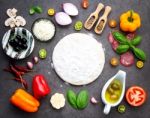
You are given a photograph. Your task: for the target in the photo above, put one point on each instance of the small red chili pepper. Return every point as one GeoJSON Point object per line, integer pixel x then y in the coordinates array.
{"type": "Point", "coordinates": [9, 70]}
{"type": "Point", "coordinates": [15, 72]}
{"type": "Point", "coordinates": [85, 4]}
{"type": "Point", "coordinates": [22, 69]}
{"type": "Point", "coordinates": [40, 86]}
{"type": "Point", "coordinates": [18, 75]}
{"type": "Point", "coordinates": [23, 81]}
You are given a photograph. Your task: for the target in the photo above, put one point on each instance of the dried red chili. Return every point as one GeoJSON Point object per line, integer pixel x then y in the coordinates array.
{"type": "Point", "coordinates": [18, 72]}
{"type": "Point", "coordinates": [22, 69]}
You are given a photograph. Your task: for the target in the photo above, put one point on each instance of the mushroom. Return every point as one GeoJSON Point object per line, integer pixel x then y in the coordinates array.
{"type": "Point", "coordinates": [11, 12]}
{"type": "Point", "coordinates": [20, 21]}
{"type": "Point", "coordinates": [10, 22]}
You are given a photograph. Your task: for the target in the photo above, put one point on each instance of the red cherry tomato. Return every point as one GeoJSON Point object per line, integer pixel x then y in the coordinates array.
{"type": "Point", "coordinates": [85, 4]}
{"type": "Point", "coordinates": [135, 96]}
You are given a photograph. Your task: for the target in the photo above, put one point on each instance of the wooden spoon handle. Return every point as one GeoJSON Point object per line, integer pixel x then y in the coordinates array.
{"type": "Point", "coordinates": [107, 11]}
{"type": "Point", "coordinates": [100, 6]}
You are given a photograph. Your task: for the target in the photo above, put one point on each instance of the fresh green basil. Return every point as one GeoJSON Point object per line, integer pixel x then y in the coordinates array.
{"type": "Point", "coordinates": [122, 49]}
{"type": "Point", "coordinates": [38, 9]}
{"type": "Point", "coordinates": [126, 45]}
{"type": "Point", "coordinates": [35, 9]}
{"type": "Point", "coordinates": [119, 37]}
{"type": "Point", "coordinates": [31, 11]}
{"type": "Point", "coordinates": [72, 98]}
{"type": "Point", "coordinates": [82, 99]}
{"type": "Point", "coordinates": [136, 41]}
{"type": "Point", "coordinates": [140, 54]}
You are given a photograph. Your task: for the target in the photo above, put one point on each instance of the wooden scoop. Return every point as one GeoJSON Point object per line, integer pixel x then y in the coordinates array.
{"type": "Point", "coordinates": [102, 21]}
{"type": "Point", "coordinates": [93, 17]}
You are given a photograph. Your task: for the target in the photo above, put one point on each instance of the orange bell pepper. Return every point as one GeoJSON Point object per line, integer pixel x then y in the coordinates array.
{"type": "Point", "coordinates": [130, 21]}
{"type": "Point", "coordinates": [24, 101]}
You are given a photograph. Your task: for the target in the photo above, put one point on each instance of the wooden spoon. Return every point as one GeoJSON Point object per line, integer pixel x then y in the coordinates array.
{"type": "Point", "coordinates": [102, 21]}
{"type": "Point", "coordinates": [93, 17]}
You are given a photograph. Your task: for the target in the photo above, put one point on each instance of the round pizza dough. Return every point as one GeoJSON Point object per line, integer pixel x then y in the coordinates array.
{"type": "Point", "coordinates": [78, 59]}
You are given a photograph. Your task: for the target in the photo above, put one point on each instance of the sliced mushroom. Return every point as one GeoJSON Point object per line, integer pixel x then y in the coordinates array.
{"type": "Point", "coordinates": [21, 20]}
{"type": "Point", "coordinates": [11, 12]}
{"type": "Point", "coordinates": [10, 22]}
{"type": "Point", "coordinates": [17, 23]}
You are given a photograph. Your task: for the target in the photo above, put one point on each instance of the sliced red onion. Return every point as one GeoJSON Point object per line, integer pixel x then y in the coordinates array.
{"type": "Point", "coordinates": [93, 100]}
{"type": "Point", "coordinates": [63, 18]}
{"type": "Point", "coordinates": [30, 65]}
{"type": "Point", "coordinates": [70, 9]}
{"type": "Point", "coordinates": [127, 59]}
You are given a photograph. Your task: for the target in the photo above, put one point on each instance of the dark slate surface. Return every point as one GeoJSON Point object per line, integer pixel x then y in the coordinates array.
{"type": "Point", "coordinates": [134, 76]}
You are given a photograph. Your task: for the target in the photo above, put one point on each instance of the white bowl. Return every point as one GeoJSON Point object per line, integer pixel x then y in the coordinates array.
{"type": "Point", "coordinates": [10, 51]}
{"type": "Point", "coordinates": [121, 75]}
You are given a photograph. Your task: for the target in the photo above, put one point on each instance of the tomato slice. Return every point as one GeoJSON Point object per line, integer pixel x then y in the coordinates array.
{"type": "Point", "coordinates": [135, 96]}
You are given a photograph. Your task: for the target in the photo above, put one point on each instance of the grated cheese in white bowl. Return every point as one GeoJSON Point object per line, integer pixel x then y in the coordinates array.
{"type": "Point", "coordinates": [43, 29]}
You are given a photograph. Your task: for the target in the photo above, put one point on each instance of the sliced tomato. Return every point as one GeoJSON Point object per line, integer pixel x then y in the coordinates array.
{"type": "Point", "coordinates": [135, 96]}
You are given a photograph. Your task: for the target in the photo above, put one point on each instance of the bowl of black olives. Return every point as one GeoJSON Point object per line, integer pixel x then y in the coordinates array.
{"type": "Point", "coordinates": [18, 43]}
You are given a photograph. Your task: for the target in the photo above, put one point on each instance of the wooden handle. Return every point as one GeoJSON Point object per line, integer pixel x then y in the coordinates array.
{"type": "Point", "coordinates": [100, 6]}
{"type": "Point", "coordinates": [107, 11]}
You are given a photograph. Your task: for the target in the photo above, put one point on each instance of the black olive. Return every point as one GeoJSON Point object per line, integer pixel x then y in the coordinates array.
{"type": "Point", "coordinates": [18, 37]}
{"type": "Point", "coordinates": [17, 49]}
{"type": "Point", "coordinates": [12, 32]}
{"type": "Point", "coordinates": [23, 40]}
{"type": "Point", "coordinates": [24, 46]}
{"type": "Point", "coordinates": [20, 43]}
{"type": "Point", "coordinates": [16, 40]}
{"type": "Point", "coordinates": [11, 42]}
{"type": "Point", "coordinates": [24, 31]}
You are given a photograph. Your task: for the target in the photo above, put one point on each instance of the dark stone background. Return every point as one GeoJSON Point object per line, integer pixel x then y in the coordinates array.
{"type": "Point", "coordinates": [134, 76]}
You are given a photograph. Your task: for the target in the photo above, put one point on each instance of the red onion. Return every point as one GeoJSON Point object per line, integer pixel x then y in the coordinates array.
{"type": "Point", "coordinates": [63, 18]}
{"type": "Point", "coordinates": [70, 9]}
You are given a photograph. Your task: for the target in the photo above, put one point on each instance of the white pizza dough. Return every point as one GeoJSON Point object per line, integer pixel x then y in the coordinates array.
{"type": "Point", "coordinates": [78, 59]}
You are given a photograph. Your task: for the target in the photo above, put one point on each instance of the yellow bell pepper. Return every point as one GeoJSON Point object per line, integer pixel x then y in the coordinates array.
{"type": "Point", "coordinates": [24, 101]}
{"type": "Point", "coordinates": [130, 21]}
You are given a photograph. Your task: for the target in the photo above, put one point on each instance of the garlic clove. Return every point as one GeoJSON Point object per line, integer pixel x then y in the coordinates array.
{"type": "Point", "coordinates": [93, 100]}
{"type": "Point", "coordinates": [30, 65]}
{"type": "Point", "coordinates": [21, 20]}
{"type": "Point", "coordinates": [57, 100]}
{"type": "Point", "coordinates": [35, 60]}
{"type": "Point", "coordinates": [11, 12]}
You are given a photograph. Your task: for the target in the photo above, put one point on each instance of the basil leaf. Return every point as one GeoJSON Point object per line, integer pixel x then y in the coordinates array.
{"type": "Point", "coordinates": [139, 53]}
{"type": "Point", "coordinates": [120, 37]}
{"type": "Point", "coordinates": [82, 99]}
{"type": "Point", "coordinates": [31, 11]}
{"type": "Point", "coordinates": [122, 49]}
{"type": "Point", "coordinates": [136, 41]}
{"type": "Point", "coordinates": [38, 9]}
{"type": "Point", "coordinates": [71, 97]}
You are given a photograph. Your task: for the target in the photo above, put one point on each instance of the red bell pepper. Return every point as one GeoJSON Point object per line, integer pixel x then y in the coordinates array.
{"type": "Point", "coordinates": [40, 86]}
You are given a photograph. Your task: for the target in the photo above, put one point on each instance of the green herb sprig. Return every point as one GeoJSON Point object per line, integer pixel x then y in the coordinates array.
{"type": "Point", "coordinates": [35, 9]}
{"type": "Point", "coordinates": [126, 45]}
